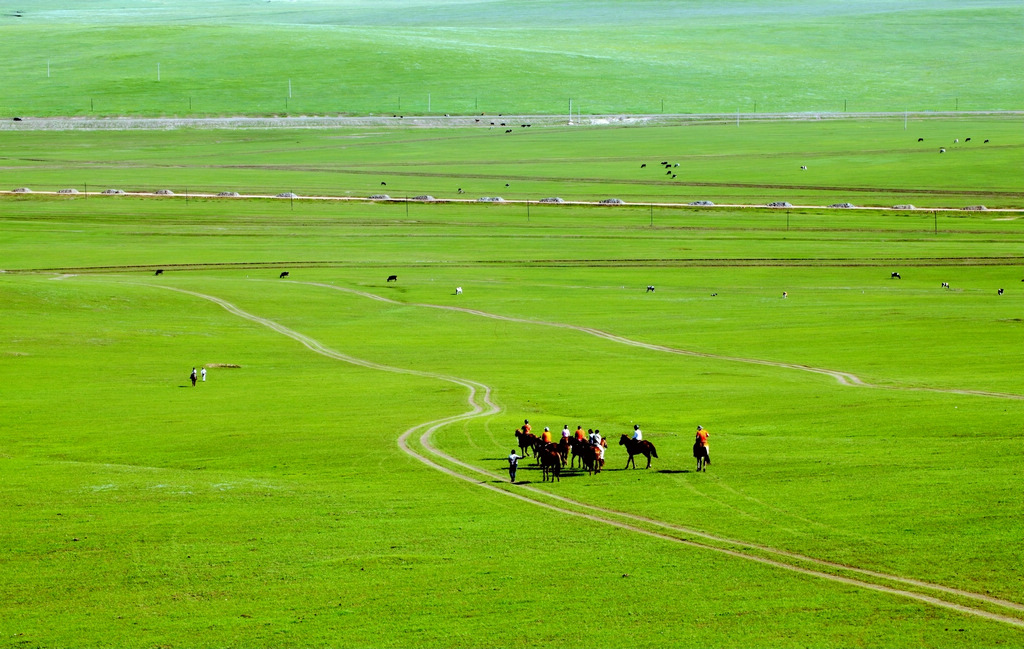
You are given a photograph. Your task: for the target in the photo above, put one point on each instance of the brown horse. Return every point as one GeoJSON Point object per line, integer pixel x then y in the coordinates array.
{"type": "Point", "coordinates": [550, 463]}
{"type": "Point", "coordinates": [638, 447]}
{"type": "Point", "coordinates": [701, 453]}
{"type": "Point", "coordinates": [526, 441]}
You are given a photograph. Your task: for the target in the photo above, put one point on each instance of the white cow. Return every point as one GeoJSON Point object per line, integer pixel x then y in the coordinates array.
{"type": "Point", "coordinates": [458, 290]}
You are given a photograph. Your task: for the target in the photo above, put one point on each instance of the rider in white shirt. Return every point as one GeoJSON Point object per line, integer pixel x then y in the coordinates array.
{"type": "Point", "coordinates": [637, 434]}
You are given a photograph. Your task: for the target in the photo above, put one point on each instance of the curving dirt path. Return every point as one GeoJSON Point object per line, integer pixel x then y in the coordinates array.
{"type": "Point", "coordinates": [485, 407]}
{"type": "Point", "coordinates": [843, 378]}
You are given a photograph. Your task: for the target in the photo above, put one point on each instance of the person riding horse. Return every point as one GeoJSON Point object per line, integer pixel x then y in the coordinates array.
{"type": "Point", "coordinates": [700, 449]}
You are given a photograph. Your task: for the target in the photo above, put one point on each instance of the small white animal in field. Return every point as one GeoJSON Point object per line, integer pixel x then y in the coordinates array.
{"type": "Point", "coordinates": [458, 290]}
{"type": "Point", "coordinates": [785, 294]}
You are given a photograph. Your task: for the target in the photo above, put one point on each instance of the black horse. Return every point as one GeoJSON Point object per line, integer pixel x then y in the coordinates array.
{"type": "Point", "coordinates": [701, 453]}
{"type": "Point", "coordinates": [638, 447]}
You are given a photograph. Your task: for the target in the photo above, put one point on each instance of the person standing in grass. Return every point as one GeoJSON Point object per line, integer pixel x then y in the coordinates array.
{"type": "Point", "coordinates": [193, 377]}
{"type": "Point", "coordinates": [204, 374]}
{"type": "Point", "coordinates": [513, 464]}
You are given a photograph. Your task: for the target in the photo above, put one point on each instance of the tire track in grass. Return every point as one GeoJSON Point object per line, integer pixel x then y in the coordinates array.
{"type": "Point", "coordinates": [483, 406]}
{"type": "Point", "coordinates": [843, 378]}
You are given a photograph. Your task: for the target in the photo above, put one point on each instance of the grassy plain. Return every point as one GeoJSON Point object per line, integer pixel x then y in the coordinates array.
{"type": "Point", "coordinates": [510, 56]}
{"type": "Point", "coordinates": [271, 505]}
{"type": "Point", "coordinates": [863, 162]}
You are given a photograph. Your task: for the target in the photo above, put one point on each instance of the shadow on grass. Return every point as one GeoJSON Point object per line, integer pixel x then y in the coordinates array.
{"type": "Point", "coordinates": [674, 471]}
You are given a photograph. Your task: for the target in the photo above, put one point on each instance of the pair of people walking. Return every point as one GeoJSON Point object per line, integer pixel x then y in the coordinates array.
{"type": "Point", "coordinates": [194, 375]}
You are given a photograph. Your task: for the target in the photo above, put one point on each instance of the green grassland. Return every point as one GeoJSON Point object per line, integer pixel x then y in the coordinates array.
{"type": "Point", "coordinates": [335, 482]}
{"type": "Point", "coordinates": [272, 506]}
{"type": "Point", "coordinates": [864, 162]}
{"type": "Point", "coordinates": [509, 56]}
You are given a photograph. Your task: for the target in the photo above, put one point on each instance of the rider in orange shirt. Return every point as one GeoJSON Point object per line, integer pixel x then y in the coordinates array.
{"type": "Point", "coordinates": [526, 426]}
{"type": "Point", "coordinates": [580, 435]}
{"type": "Point", "coordinates": [546, 435]}
{"type": "Point", "coordinates": [702, 435]}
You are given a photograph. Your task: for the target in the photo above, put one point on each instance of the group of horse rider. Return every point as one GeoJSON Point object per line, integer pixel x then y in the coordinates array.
{"type": "Point", "coordinates": [593, 437]}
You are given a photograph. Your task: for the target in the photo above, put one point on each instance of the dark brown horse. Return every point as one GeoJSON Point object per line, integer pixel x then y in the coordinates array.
{"type": "Point", "coordinates": [526, 441]}
{"type": "Point", "coordinates": [638, 447]}
{"type": "Point", "coordinates": [550, 463]}
{"type": "Point", "coordinates": [701, 453]}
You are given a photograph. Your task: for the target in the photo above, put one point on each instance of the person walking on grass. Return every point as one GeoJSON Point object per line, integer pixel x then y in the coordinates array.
{"type": "Point", "coordinates": [513, 464]}
{"type": "Point", "coordinates": [193, 377]}
{"type": "Point", "coordinates": [203, 374]}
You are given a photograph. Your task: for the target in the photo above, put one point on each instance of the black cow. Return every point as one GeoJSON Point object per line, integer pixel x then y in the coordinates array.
{"type": "Point", "coordinates": [650, 289]}
{"type": "Point", "coordinates": [159, 271]}
{"type": "Point", "coordinates": [1000, 292]}
{"type": "Point", "coordinates": [644, 165]}
{"type": "Point", "coordinates": [392, 278]}
{"type": "Point", "coordinates": [895, 276]}
{"type": "Point", "coordinates": [384, 184]}
{"type": "Point", "coordinates": [284, 274]}
{"type": "Point", "coordinates": [920, 139]}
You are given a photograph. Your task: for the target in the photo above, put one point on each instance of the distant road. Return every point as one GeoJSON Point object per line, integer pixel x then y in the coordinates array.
{"type": "Point", "coordinates": [26, 123]}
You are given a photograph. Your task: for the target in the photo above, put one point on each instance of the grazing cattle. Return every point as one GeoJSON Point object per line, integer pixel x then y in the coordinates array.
{"type": "Point", "coordinates": [503, 123]}
{"type": "Point", "coordinates": [785, 295]}
{"type": "Point", "coordinates": [956, 141]}
{"type": "Point", "coordinates": [1000, 292]}
{"type": "Point", "coordinates": [159, 271]}
{"type": "Point", "coordinates": [284, 274]}
{"type": "Point", "coordinates": [383, 183]}
{"type": "Point", "coordinates": [945, 285]}
{"type": "Point", "coordinates": [673, 175]}
{"type": "Point", "coordinates": [650, 289]}
{"type": "Point", "coordinates": [668, 173]}
{"type": "Point", "coordinates": [460, 191]}
{"type": "Point", "coordinates": [392, 278]}
{"type": "Point", "coordinates": [942, 150]}
{"type": "Point", "coordinates": [643, 166]}
{"type": "Point", "coordinates": [967, 140]}
{"type": "Point", "coordinates": [920, 139]}
{"type": "Point", "coordinates": [506, 184]}
{"type": "Point", "coordinates": [803, 167]}
{"type": "Point", "coordinates": [18, 119]}
{"type": "Point", "coordinates": [508, 130]}
{"type": "Point", "coordinates": [676, 164]}
{"type": "Point", "coordinates": [638, 447]}
{"type": "Point", "coordinates": [714, 295]}
{"type": "Point", "coordinates": [895, 275]}
{"type": "Point", "coordinates": [986, 142]}
{"type": "Point", "coordinates": [458, 290]}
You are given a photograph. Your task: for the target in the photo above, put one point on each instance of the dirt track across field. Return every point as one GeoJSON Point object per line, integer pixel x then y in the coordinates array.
{"type": "Point", "coordinates": [126, 123]}
{"type": "Point", "coordinates": [484, 407]}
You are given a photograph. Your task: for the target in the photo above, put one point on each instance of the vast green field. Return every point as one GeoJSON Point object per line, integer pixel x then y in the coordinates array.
{"type": "Point", "coordinates": [153, 57]}
{"type": "Point", "coordinates": [344, 485]}
{"type": "Point", "coordinates": [863, 162]}
{"type": "Point", "coordinates": [339, 478]}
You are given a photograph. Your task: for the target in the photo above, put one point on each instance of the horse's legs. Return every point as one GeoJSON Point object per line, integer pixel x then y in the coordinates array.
{"type": "Point", "coordinates": [648, 462]}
